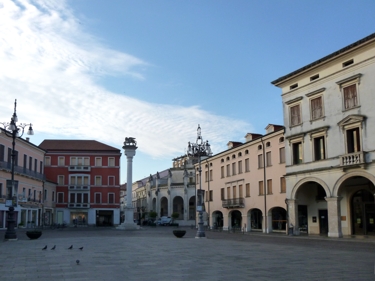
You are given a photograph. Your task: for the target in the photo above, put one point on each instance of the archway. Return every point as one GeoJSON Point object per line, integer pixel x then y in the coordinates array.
{"type": "Point", "coordinates": [256, 218]}
{"type": "Point", "coordinates": [192, 212]}
{"type": "Point", "coordinates": [178, 206]}
{"type": "Point", "coordinates": [278, 219]}
{"type": "Point", "coordinates": [235, 219]}
{"type": "Point", "coordinates": [217, 219]}
{"type": "Point", "coordinates": [163, 206]}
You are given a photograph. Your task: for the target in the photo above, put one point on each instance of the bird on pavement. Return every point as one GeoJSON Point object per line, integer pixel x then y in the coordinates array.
{"type": "Point", "coordinates": [77, 261]}
{"type": "Point", "coordinates": [53, 248]}
{"type": "Point", "coordinates": [81, 248]}
{"type": "Point", "coordinates": [71, 247]}
{"type": "Point", "coordinates": [45, 247]}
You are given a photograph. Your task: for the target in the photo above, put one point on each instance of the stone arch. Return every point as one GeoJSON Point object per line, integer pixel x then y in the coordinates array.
{"type": "Point", "coordinates": [309, 179]}
{"type": "Point", "coordinates": [346, 176]}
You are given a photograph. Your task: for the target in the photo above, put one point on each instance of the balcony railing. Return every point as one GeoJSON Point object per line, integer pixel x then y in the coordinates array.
{"type": "Point", "coordinates": [233, 203]}
{"type": "Point", "coordinates": [79, 187]}
{"type": "Point", "coordinates": [21, 170]}
{"type": "Point", "coordinates": [79, 205]}
{"type": "Point", "coordinates": [79, 168]}
{"type": "Point", "coordinates": [355, 158]}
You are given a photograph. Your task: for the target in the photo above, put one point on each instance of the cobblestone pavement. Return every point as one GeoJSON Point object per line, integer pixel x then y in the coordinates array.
{"type": "Point", "coordinates": [155, 254]}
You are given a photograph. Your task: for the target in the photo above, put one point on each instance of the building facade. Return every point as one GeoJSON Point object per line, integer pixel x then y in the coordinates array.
{"type": "Point", "coordinates": [329, 122]}
{"type": "Point", "coordinates": [87, 177]}
{"type": "Point", "coordinates": [28, 172]}
{"type": "Point", "coordinates": [245, 186]}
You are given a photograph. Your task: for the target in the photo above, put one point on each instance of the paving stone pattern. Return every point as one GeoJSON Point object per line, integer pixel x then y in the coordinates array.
{"type": "Point", "coordinates": [155, 254]}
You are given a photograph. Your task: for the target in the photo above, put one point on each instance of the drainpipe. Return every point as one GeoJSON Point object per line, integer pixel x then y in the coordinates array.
{"type": "Point", "coordinates": [264, 187]}
{"type": "Point", "coordinates": [208, 197]}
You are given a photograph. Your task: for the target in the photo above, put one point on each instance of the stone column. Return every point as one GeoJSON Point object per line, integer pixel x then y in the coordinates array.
{"type": "Point", "coordinates": [334, 216]}
{"type": "Point", "coordinates": [130, 146]}
{"type": "Point", "coordinates": [293, 216]}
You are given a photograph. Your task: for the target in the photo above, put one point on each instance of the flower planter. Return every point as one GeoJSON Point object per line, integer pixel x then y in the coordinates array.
{"type": "Point", "coordinates": [33, 234]}
{"type": "Point", "coordinates": [179, 233]}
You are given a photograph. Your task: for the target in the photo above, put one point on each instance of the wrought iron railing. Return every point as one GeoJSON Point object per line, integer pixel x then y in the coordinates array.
{"type": "Point", "coordinates": [21, 170]}
{"type": "Point", "coordinates": [233, 203]}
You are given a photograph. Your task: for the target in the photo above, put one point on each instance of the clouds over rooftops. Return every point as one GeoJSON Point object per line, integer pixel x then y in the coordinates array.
{"type": "Point", "coordinates": [51, 65]}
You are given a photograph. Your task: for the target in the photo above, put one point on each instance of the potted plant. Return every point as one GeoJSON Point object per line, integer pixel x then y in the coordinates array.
{"type": "Point", "coordinates": [34, 234]}
{"type": "Point", "coordinates": [179, 233]}
{"type": "Point", "coordinates": [175, 216]}
{"type": "Point", "coordinates": [20, 225]}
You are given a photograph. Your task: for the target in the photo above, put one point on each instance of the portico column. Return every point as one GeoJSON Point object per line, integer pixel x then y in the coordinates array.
{"type": "Point", "coordinates": [334, 216]}
{"type": "Point", "coordinates": [293, 215]}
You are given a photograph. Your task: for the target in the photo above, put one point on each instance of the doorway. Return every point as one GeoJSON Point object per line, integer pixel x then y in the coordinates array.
{"type": "Point", "coordinates": [363, 214]}
{"type": "Point", "coordinates": [323, 222]}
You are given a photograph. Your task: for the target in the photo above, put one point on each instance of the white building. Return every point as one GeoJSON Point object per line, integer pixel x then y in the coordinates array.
{"type": "Point", "coordinates": [329, 122]}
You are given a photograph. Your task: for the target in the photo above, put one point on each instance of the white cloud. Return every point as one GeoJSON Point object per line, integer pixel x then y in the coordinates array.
{"type": "Point", "coordinates": [50, 65]}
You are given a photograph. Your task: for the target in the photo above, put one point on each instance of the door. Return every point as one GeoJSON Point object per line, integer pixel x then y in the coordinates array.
{"type": "Point", "coordinates": [323, 222]}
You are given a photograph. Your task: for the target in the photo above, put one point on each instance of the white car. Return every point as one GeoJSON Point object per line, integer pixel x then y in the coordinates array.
{"type": "Point", "coordinates": [164, 221]}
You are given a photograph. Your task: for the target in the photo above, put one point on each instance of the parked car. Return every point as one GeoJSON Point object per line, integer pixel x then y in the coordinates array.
{"type": "Point", "coordinates": [164, 221]}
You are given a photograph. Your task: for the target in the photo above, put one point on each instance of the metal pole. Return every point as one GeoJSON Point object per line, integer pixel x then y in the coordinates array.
{"type": "Point", "coordinates": [265, 188]}
{"type": "Point", "coordinates": [200, 232]}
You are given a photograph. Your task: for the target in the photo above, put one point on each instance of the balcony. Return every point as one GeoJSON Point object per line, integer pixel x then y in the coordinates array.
{"type": "Point", "coordinates": [21, 170]}
{"type": "Point", "coordinates": [351, 159]}
{"type": "Point", "coordinates": [79, 187]}
{"type": "Point", "coordinates": [79, 168]}
{"type": "Point", "coordinates": [79, 205]}
{"type": "Point", "coordinates": [233, 203]}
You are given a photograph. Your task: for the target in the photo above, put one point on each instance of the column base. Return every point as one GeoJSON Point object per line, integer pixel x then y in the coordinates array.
{"type": "Point", "coordinates": [128, 226]}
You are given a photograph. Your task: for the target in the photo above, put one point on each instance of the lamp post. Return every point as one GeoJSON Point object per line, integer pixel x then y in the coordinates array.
{"type": "Point", "coordinates": [12, 130]}
{"type": "Point", "coordinates": [198, 149]}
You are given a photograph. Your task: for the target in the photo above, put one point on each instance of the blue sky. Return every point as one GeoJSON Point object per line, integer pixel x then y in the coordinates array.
{"type": "Point", "coordinates": [154, 70]}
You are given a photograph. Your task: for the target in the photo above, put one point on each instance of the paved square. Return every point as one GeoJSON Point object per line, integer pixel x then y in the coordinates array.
{"type": "Point", "coordinates": [155, 254]}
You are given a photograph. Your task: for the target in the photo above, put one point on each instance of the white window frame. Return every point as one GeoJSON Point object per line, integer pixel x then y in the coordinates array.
{"type": "Point", "coordinates": [98, 162]}
{"type": "Point", "coordinates": [47, 161]}
{"type": "Point", "coordinates": [352, 80]}
{"type": "Point", "coordinates": [110, 159]}
{"type": "Point", "coordinates": [61, 161]}
{"type": "Point", "coordinates": [292, 142]}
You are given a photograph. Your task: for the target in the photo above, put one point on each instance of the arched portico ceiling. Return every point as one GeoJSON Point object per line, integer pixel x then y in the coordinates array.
{"type": "Point", "coordinates": [306, 180]}
{"type": "Point", "coordinates": [250, 210]}
{"type": "Point", "coordinates": [349, 175]}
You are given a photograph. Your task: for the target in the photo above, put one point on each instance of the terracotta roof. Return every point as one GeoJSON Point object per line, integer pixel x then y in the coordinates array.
{"type": "Point", "coordinates": [76, 145]}
{"type": "Point", "coordinates": [324, 59]}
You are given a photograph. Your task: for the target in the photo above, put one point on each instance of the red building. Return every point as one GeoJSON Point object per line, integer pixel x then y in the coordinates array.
{"type": "Point", "coordinates": [87, 174]}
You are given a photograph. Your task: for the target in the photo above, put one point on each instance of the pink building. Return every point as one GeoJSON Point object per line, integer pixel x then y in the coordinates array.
{"type": "Point", "coordinates": [245, 185]}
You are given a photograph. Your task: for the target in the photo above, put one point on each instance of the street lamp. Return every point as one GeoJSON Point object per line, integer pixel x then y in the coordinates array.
{"type": "Point", "coordinates": [199, 149]}
{"type": "Point", "coordinates": [12, 130]}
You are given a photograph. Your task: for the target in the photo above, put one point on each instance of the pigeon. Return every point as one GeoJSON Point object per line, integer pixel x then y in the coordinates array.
{"type": "Point", "coordinates": [53, 248]}
{"type": "Point", "coordinates": [77, 261]}
{"type": "Point", "coordinates": [81, 248]}
{"type": "Point", "coordinates": [71, 247]}
{"type": "Point", "coordinates": [45, 248]}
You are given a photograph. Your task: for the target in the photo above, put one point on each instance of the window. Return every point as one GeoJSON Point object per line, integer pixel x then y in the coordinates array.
{"type": "Point", "coordinates": [211, 175]}
{"type": "Point", "coordinates": [85, 161]}
{"type": "Point", "coordinates": [211, 197]}
{"type": "Point", "coordinates": [261, 188]}
{"type": "Point", "coordinates": [228, 170]}
{"type": "Point", "coordinates": [316, 107]}
{"type": "Point", "coordinates": [347, 63]}
{"type": "Point", "coordinates": [240, 191]}
{"type": "Point", "coordinates": [349, 89]}
{"type": "Point", "coordinates": [53, 196]}
{"type": "Point", "coordinates": [30, 163]}
{"type": "Point", "coordinates": [79, 180]}
{"type": "Point", "coordinates": [268, 158]}
{"type": "Point", "coordinates": [41, 167]}
{"type": "Point", "coordinates": [240, 167]}
{"type": "Point", "coordinates": [222, 171]}
{"type": "Point", "coordinates": [319, 148]}
{"type": "Point", "coordinates": [222, 194]}
{"type": "Point", "coordinates": [1, 190]}
{"type": "Point", "coordinates": [60, 197]}
{"type": "Point", "coordinates": [60, 180]}
{"type": "Point", "coordinates": [248, 190]}
{"type": "Point", "coordinates": [85, 198]}
{"type": "Point", "coordinates": [260, 161]}
{"type": "Point", "coordinates": [111, 161]}
{"type": "Point", "coordinates": [282, 185]}
{"type": "Point", "coordinates": [268, 144]}
{"type": "Point", "coordinates": [233, 168]}
{"type": "Point", "coordinates": [35, 165]}
{"type": "Point", "coordinates": [295, 115]}
{"type": "Point", "coordinates": [2, 152]}
{"type": "Point", "coordinates": [228, 192]}
{"type": "Point", "coordinates": [47, 161]}
{"type": "Point", "coordinates": [61, 161]}
{"type": "Point", "coordinates": [234, 192]}
{"type": "Point", "coordinates": [247, 165]}
{"type": "Point", "coordinates": [111, 198]}
{"type": "Point", "coordinates": [98, 161]}
{"type": "Point", "coordinates": [111, 180]}
{"type": "Point", "coordinates": [45, 195]}
{"type": "Point", "coordinates": [282, 154]}
{"type": "Point", "coordinates": [98, 180]}
{"type": "Point", "coordinates": [353, 143]}
{"type": "Point", "coordinates": [297, 153]}
{"type": "Point", "coordinates": [269, 186]}
{"type": "Point", "coordinates": [98, 197]}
